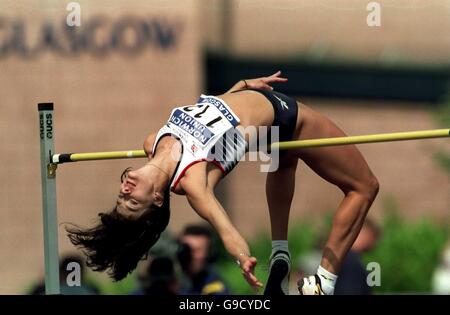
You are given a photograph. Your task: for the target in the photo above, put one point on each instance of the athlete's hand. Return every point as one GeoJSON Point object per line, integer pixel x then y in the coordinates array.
{"type": "Point", "coordinates": [265, 82]}
{"type": "Point", "coordinates": [248, 265]}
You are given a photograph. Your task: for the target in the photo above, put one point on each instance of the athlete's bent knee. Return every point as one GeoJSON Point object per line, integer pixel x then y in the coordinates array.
{"type": "Point", "coordinates": [370, 188]}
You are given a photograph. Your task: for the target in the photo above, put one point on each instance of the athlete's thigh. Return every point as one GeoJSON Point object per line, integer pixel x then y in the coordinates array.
{"type": "Point", "coordinates": [343, 165]}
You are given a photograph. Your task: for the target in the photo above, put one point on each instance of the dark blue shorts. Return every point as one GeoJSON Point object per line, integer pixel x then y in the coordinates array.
{"type": "Point", "coordinates": [286, 111]}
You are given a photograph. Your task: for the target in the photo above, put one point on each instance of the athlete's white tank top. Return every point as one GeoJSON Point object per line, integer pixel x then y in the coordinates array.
{"type": "Point", "coordinates": [207, 132]}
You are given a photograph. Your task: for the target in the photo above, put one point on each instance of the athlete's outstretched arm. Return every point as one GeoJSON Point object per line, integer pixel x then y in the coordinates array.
{"type": "Point", "coordinates": [258, 83]}
{"type": "Point", "coordinates": [203, 201]}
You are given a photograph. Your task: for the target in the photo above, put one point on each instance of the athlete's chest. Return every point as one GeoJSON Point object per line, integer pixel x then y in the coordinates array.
{"type": "Point", "coordinates": [202, 123]}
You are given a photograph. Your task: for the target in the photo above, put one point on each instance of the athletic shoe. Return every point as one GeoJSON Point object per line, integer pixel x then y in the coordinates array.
{"type": "Point", "coordinates": [279, 270]}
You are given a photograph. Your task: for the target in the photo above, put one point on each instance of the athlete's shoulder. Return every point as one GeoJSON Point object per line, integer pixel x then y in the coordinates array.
{"type": "Point", "coordinates": [148, 144]}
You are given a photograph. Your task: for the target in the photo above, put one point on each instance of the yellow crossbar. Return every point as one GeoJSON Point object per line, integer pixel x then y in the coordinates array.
{"type": "Point", "coordinates": [287, 145]}
{"type": "Point", "coordinates": [107, 155]}
{"type": "Point", "coordinates": [381, 137]}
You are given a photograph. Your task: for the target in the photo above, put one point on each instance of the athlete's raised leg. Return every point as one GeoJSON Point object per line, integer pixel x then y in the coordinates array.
{"type": "Point", "coordinates": [345, 167]}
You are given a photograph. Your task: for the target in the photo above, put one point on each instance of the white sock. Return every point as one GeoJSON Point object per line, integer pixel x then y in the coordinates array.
{"type": "Point", "coordinates": [280, 245]}
{"type": "Point", "coordinates": [327, 279]}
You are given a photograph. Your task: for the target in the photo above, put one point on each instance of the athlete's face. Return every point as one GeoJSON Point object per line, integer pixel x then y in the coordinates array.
{"type": "Point", "coordinates": [136, 194]}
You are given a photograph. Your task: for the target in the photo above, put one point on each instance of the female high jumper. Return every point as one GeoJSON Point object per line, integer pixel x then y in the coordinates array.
{"type": "Point", "coordinates": [202, 143]}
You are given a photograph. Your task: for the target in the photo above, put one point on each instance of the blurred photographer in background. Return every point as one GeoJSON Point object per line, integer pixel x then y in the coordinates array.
{"type": "Point", "coordinates": [159, 278]}
{"type": "Point", "coordinates": [197, 254]}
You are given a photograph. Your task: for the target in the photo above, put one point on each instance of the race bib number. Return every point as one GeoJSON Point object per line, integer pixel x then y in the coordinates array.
{"type": "Point", "coordinates": [219, 106]}
{"type": "Point", "coordinates": [201, 121]}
